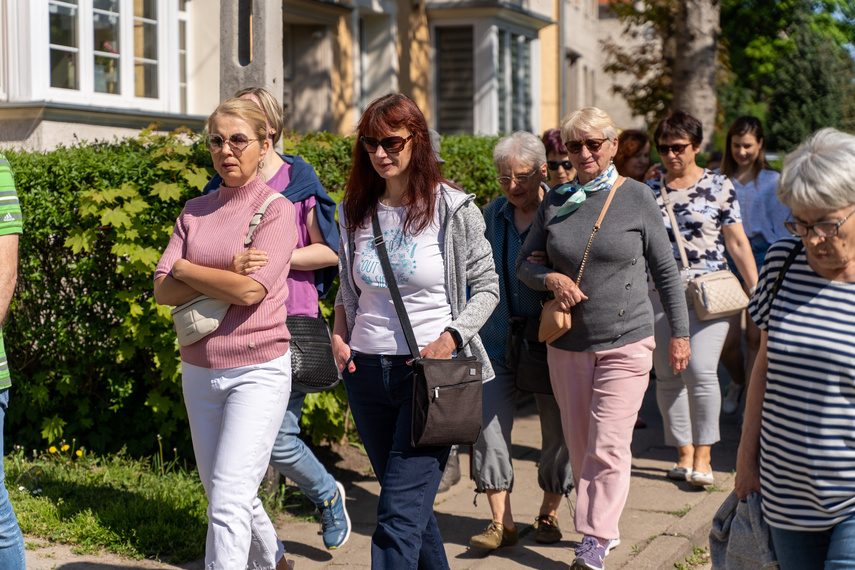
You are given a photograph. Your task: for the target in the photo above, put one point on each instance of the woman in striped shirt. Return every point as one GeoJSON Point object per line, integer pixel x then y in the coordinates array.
{"type": "Point", "coordinates": [798, 440]}
{"type": "Point", "coordinates": [236, 380]}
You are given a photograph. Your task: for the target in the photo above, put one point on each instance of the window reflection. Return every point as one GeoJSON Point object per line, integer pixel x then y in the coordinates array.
{"type": "Point", "coordinates": [62, 24]}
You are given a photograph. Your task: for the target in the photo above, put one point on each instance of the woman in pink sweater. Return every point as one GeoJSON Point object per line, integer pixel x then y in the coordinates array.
{"type": "Point", "coordinates": [236, 380]}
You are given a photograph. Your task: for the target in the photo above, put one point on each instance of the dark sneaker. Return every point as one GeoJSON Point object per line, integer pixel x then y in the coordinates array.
{"type": "Point", "coordinates": [451, 475]}
{"type": "Point", "coordinates": [335, 523]}
{"type": "Point", "coordinates": [494, 536]}
{"type": "Point", "coordinates": [589, 555]}
{"type": "Point", "coordinates": [546, 530]}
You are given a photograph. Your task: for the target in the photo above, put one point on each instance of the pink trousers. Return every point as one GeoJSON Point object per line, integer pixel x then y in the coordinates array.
{"type": "Point", "coordinates": [599, 395]}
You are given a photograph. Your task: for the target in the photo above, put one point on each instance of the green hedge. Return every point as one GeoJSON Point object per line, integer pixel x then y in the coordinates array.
{"type": "Point", "coordinates": [92, 356]}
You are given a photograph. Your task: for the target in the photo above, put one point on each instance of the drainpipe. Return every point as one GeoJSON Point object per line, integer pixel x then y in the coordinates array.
{"type": "Point", "coordinates": [562, 56]}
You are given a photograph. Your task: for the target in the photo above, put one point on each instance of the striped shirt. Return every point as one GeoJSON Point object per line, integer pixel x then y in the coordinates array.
{"type": "Point", "coordinates": [10, 223]}
{"type": "Point", "coordinates": [209, 231]}
{"type": "Point", "coordinates": [807, 435]}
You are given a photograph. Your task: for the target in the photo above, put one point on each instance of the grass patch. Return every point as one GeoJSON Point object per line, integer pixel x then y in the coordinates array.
{"type": "Point", "coordinates": [133, 507]}
{"type": "Point", "coordinates": [700, 555]}
{"type": "Point", "coordinates": [681, 512]}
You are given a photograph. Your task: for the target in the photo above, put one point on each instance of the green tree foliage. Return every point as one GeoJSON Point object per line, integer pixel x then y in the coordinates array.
{"type": "Point", "coordinates": [811, 88]}
{"type": "Point", "coordinates": [780, 31]}
{"type": "Point", "coordinates": [643, 56]}
{"type": "Point", "coordinates": [92, 356]}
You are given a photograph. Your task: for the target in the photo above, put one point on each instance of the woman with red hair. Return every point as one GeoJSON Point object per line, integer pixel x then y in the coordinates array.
{"type": "Point", "coordinates": [443, 265]}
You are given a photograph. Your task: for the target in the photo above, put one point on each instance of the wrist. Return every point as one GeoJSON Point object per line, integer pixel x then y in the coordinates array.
{"type": "Point", "coordinates": [456, 338]}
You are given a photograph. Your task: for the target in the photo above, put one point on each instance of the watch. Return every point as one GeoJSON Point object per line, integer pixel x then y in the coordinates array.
{"type": "Point", "coordinates": [458, 340]}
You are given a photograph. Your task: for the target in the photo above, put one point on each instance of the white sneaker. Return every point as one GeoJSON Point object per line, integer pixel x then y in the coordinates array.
{"type": "Point", "coordinates": [730, 402]}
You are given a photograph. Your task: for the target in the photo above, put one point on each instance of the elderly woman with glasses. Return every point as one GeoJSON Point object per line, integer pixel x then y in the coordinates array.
{"type": "Point", "coordinates": [443, 266]}
{"type": "Point", "coordinates": [709, 220]}
{"type": "Point", "coordinates": [599, 369]}
{"type": "Point", "coordinates": [237, 380]}
{"type": "Point", "coordinates": [521, 166]}
{"type": "Point", "coordinates": [796, 447]}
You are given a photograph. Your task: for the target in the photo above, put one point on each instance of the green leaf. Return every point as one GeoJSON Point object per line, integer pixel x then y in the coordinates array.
{"type": "Point", "coordinates": [115, 217]}
{"type": "Point", "coordinates": [52, 428]}
{"type": "Point", "coordinates": [80, 240]}
{"type": "Point", "coordinates": [195, 177]}
{"type": "Point", "coordinates": [166, 190]}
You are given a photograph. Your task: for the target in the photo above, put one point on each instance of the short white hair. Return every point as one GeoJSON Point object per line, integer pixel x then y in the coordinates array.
{"type": "Point", "coordinates": [820, 173]}
{"type": "Point", "coordinates": [588, 119]}
{"type": "Point", "coordinates": [520, 146]}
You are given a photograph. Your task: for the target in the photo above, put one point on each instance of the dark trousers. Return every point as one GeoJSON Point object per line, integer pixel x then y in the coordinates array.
{"type": "Point", "coordinates": [380, 392]}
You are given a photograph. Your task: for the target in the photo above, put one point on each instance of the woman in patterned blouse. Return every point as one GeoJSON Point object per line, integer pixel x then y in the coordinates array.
{"type": "Point", "coordinates": [709, 219]}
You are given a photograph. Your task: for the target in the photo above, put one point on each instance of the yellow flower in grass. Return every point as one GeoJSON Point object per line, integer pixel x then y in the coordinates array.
{"type": "Point", "coordinates": [79, 453]}
{"type": "Point", "coordinates": [52, 449]}
{"type": "Point", "coordinates": [65, 447]}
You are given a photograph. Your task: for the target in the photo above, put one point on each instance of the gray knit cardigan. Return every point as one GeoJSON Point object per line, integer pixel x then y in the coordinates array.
{"type": "Point", "coordinates": [468, 266]}
{"type": "Point", "coordinates": [631, 241]}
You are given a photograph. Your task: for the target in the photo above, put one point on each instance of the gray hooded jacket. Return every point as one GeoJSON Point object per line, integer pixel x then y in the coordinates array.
{"type": "Point", "coordinates": [469, 267]}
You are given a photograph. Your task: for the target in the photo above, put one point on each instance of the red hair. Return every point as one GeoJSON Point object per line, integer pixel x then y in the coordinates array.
{"type": "Point", "coordinates": [364, 186]}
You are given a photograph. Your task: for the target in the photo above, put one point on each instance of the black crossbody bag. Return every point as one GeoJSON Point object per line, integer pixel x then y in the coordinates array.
{"type": "Point", "coordinates": [446, 393]}
{"type": "Point", "coordinates": [525, 355]}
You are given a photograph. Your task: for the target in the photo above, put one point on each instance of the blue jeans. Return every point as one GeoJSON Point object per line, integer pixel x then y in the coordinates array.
{"type": "Point", "coordinates": [380, 392]}
{"type": "Point", "coordinates": [295, 460]}
{"type": "Point", "coordinates": [11, 541]}
{"type": "Point", "coordinates": [809, 549]}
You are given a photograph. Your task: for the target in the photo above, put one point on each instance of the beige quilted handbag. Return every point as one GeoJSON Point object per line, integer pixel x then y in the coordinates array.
{"type": "Point", "coordinates": [717, 294]}
{"type": "Point", "coordinates": [714, 295]}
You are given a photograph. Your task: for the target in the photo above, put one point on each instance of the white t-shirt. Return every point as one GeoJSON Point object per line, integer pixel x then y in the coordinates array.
{"type": "Point", "coordinates": [417, 263]}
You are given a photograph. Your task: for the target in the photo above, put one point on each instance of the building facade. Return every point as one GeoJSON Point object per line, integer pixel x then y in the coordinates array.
{"type": "Point", "coordinates": [98, 69]}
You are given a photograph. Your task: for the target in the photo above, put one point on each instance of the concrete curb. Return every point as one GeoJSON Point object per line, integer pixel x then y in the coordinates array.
{"type": "Point", "coordinates": [678, 542]}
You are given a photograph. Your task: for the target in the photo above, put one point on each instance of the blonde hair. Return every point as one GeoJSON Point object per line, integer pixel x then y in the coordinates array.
{"type": "Point", "coordinates": [271, 107]}
{"type": "Point", "coordinates": [243, 109]}
{"type": "Point", "coordinates": [588, 119]}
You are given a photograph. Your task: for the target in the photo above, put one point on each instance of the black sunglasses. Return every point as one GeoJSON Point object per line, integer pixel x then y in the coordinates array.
{"type": "Point", "coordinates": [678, 149]}
{"type": "Point", "coordinates": [389, 144]}
{"type": "Point", "coordinates": [238, 142]}
{"type": "Point", "coordinates": [554, 164]}
{"type": "Point", "coordinates": [575, 147]}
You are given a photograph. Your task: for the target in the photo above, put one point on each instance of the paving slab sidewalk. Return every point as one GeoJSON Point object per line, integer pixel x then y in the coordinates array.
{"type": "Point", "coordinates": [661, 523]}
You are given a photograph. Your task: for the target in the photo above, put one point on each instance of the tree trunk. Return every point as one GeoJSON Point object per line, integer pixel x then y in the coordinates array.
{"type": "Point", "coordinates": [694, 86]}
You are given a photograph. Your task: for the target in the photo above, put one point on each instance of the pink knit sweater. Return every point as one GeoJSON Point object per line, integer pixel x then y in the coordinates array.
{"type": "Point", "coordinates": [209, 231]}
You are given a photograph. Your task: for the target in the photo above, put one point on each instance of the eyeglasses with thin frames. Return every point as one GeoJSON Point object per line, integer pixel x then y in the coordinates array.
{"type": "Point", "coordinates": [575, 147]}
{"type": "Point", "coordinates": [821, 229]}
{"type": "Point", "coordinates": [554, 164]}
{"type": "Point", "coordinates": [390, 144]}
{"type": "Point", "coordinates": [677, 149]}
{"type": "Point", "coordinates": [522, 179]}
{"type": "Point", "coordinates": [238, 142]}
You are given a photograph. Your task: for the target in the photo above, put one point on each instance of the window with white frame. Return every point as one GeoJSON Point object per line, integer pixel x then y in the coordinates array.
{"type": "Point", "coordinates": [513, 74]}
{"type": "Point", "coordinates": [113, 50]}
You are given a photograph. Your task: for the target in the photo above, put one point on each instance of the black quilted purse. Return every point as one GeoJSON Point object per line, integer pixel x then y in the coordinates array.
{"type": "Point", "coordinates": [313, 367]}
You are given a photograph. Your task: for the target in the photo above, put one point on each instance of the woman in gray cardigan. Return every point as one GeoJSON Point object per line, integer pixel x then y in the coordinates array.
{"type": "Point", "coordinates": [443, 266]}
{"type": "Point", "coordinates": [599, 369]}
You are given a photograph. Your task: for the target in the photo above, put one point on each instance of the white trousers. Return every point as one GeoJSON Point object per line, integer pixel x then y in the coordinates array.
{"type": "Point", "coordinates": [235, 414]}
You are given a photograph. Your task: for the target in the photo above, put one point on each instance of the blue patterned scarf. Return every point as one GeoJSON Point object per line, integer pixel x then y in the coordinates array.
{"type": "Point", "coordinates": [580, 191]}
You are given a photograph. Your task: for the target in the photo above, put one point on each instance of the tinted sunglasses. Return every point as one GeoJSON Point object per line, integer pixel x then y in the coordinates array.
{"type": "Point", "coordinates": [389, 144]}
{"type": "Point", "coordinates": [238, 142]}
{"type": "Point", "coordinates": [575, 147]}
{"type": "Point", "coordinates": [554, 164]}
{"type": "Point", "coordinates": [676, 148]}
